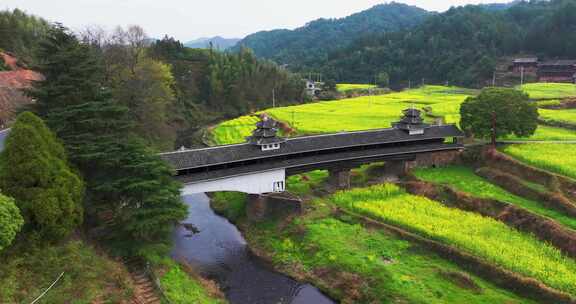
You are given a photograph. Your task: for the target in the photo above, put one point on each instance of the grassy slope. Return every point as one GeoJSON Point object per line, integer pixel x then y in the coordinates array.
{"type": "Point", "coordinates": [234, 131]}
{"type": "Point", "coordinates": [558, 158]}
{"type": "Point", "coordinates": [181, 288]}
{"type": "Point", "coordinates": [549, 90]}
{"type": "Point", "coordinates": [344, 87]}
{"type": "Point", "coordinates": [463, 179]}
{"type": "Point", "coordinates": [567, 116]}
{"type": "Point", "coordinates": [28, 269]}
{"type": "Point", "coordinates": [546, 133]}
{"type": "Point", "coordinates": [373, 266]}
{"type": "Point", "coordinates": [484, 237]}
{"type": "Point", "coordinates": [373, 112]}
{"type": "Point", "coordinates": [362, 113]}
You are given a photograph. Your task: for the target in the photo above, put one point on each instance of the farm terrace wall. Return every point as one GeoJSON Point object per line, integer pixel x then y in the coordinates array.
{"type": "Point", "coordinates": [436, 159]}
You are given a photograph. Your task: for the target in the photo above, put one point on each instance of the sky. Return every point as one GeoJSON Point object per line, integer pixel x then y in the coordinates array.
{"type": "Point", "coordinates": [190, 19]}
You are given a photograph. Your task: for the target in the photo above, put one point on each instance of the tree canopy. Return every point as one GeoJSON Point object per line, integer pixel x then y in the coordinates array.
{"type": "Point", "coordinates": [511, 109]}
{"type": "Point", "coordinates": [34, 173]}
{"type": "Point", "coordinates": [10, 221]}
{"type": "Point", "coordinates": [99, 133]}
{"type": "Point", "coordinates": [20, 33]}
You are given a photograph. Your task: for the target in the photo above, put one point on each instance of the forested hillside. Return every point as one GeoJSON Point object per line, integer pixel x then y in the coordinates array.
{"type": "Point", "coordinates": [170, 90]}
{"type": "Point", "coordinates": [462, 45]}
{"type": "Point", "coordinates": [20, 33]}
{"type": "Point", "coordinates": [313, 41]}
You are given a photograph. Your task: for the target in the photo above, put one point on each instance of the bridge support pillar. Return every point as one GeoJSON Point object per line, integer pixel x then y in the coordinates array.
{"type": "Point", "coordinates": [260, 207]}
{"type": "Point", "coordinates": [397, 168]}
{"type": "Point", "coordinates": [340, 178]}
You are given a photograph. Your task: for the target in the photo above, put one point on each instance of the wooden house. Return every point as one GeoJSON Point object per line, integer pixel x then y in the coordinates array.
{"type": "Point", "coordinates": [527, 65]}
{"type": "Point", "coordinates": [557, 71]}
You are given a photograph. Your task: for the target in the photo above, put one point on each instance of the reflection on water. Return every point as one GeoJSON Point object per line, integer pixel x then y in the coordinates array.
{"type": "Point", "coordinates": [217, 249]}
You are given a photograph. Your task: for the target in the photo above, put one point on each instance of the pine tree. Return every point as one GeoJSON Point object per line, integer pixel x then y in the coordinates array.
{"type": "Point", "coordinates": [10, 221]}
{"type": "Point", "coordinates": [121, 173]}
{"type": "Point", "coordinates": [72, 70]}
{"type": "Point", "coordinates": [46, 190]}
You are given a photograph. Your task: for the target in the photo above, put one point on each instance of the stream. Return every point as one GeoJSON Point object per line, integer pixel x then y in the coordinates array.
{"type": "Point", "coordinates": [219, 252]}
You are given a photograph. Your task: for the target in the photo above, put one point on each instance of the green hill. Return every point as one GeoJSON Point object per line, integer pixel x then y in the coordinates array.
{"type": "Point", "coordinates": [313, 41]}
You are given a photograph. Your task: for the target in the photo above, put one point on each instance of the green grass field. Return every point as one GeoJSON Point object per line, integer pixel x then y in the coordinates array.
{"type": "Point", "coordinates": [354, 114]}
{"type": "Point", "coordinates": [374, 112]}
{"type": "Point", "coordinates": [180, 287]}
{"type": "Point", "coordinates": [550, 90]}
{"type": "Point", "coordinates": [463, 179]}
{"type": "Point", "coordinates": [484, 237]}
{"type": "Point", "coordinates": [377, 267]}
{"type": "Point", "coordinates": [558, 158]}
{"type": "Point", "coordinates": [234, 131]}
{"type": "Point", "coordinates": [565, 116]}
{"type": "Point", "coordinates": [547, 133]}
{"type": "Point", "coordinates": [344, 87]}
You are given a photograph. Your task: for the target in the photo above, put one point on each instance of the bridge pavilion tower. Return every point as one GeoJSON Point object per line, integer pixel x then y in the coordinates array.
{"type": "Point", "coordinates": [411, 122]}
{"type": "Point", "coordinates": [266, 135]}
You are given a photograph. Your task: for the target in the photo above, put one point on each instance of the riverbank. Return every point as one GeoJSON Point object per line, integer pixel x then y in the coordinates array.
{"type": "Point", "coordinates": [216, 249]}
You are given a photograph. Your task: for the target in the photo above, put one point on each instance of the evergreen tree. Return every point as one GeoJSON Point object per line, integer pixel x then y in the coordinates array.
{"type": "Point", "coordinates": [10, 221]}
{"type": "Point", "coordinates": [72, 70]}
{"type": "Point", "coordinates": [46, 190]}
{"type": "Point", "coordinates": [122, 174]}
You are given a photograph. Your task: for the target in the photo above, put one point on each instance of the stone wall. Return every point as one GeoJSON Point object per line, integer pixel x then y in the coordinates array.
{"type": "Point", "coordinates": [436, 159]}
{"type": "Point", "coordinates": [274, 205]}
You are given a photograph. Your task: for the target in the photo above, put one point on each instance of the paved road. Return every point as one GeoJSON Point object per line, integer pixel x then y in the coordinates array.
{"type": "Point", "coordinates": [3, 135]}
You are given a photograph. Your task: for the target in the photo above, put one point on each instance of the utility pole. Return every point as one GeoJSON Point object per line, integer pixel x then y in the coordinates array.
{"type": "Point", "coordinates": [494, 79]}
{"type": "Point", "coordinates": [521, 76]}
{"type": "Point", "coordinates": [273, 97]}
{"type": "Point", "coordinates": [494, 130]}
{"type": "Point", "coordinates": [409, 84]}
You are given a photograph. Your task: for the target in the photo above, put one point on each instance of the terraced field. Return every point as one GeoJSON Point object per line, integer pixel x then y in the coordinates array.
{"type": "Point", "coordinates": [484, 237]}
{"type": "Point", "coordinates": [557, 158]}
{"type": "Point", "coordinates": [376, 267]}
{"type": "Point", "coordinates": [344, 87]}
{"type": "Point", "coordinates": [565, 116]}
{"type": "Point", "coordinates": [463, 179]}
{"type": "Point", "coordinates": [550, 90]}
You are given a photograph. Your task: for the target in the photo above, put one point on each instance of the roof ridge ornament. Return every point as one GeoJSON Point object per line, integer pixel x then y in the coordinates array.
{"type": "Point", "coordinates": [266, 134]}
{"type": "Point", "coordinates": [411, 122]}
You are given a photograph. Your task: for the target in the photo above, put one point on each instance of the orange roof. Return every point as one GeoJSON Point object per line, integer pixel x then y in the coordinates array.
{"type": "Point", "coordinates": [19, 77]}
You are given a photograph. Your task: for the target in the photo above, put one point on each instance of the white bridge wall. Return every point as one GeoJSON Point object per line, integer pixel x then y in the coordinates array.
{"type": "Point", "coordinates": [256, 183]}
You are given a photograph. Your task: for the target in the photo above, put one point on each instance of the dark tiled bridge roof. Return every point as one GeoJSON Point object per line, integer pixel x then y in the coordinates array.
{"type": "Point", "coordinates": [191, 159]}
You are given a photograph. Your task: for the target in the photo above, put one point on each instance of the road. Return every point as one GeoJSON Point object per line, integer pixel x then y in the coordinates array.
{"type": "Point", "coordinates": [3, 135]}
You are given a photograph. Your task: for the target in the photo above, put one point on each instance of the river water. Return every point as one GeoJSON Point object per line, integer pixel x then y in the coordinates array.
{"type": "Point", "coordinates": [219, 252]}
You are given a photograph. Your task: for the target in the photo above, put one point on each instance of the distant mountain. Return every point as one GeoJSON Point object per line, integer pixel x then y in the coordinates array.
{"type": "Point", "coordinates": [316, 39]}
{"type": "Point", "coordinates": [218, 42]}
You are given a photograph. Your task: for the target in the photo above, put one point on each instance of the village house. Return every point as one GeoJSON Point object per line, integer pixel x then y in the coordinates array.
{"type": "Point", "coordinates": [526, 65]}
{"type": "Point", "coordinates": [557, 71]}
